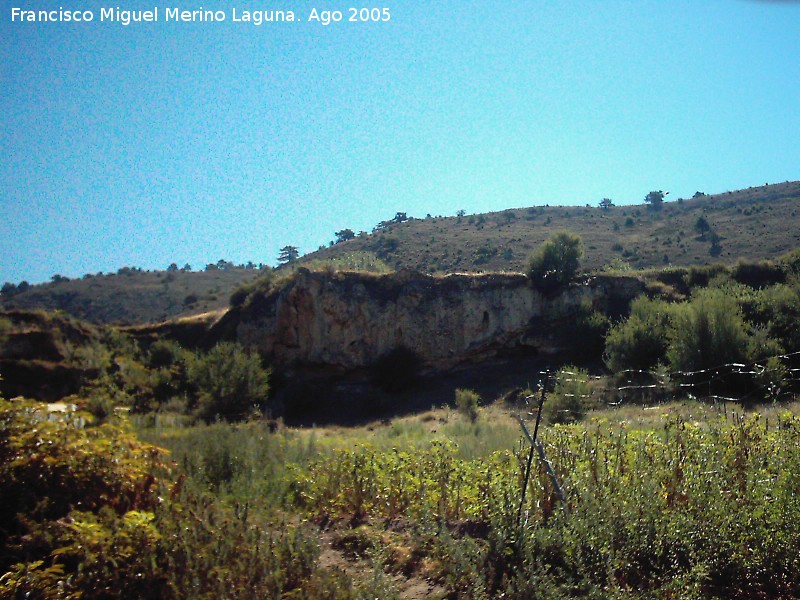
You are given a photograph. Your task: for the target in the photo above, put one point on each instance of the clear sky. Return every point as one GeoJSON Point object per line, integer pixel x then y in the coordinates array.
{"type": "Point", "coordinates": [170, 141]}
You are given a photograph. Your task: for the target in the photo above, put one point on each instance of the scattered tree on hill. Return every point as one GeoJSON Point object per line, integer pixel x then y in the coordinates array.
{"type": "Point", "coordinates": [172, 267]}
{"type": "Point", "coordinates": [288, 254]}
{"type": "Point", "coordinates": [698, 195]}
{"type": "Point", "coordinates": [606, 203]}
{"type": "Point", "coordinates": [398, 218]}
{"type": "Point", "coordinates": [655, 199]}
{"type": "Point", "coordinates": [702, 226]}
{"type": "Point", "coordinates": [8, 289]}
{"type": "Point", "coordinates": [59, 278]}
{"type": "Point", "coordinates": [344, 235]}
{"type": "Point", "coordinates": [715, 249]}
{"type": "Point", "coordinates": [461, 212]}
{"type": "Point", "coordinates": [187, 267]}
{"type": "Point", "coordinates": [554, 264]}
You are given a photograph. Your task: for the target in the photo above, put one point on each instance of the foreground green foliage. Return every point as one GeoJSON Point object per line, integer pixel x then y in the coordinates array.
{"type": "Point", "coordinates": [687, 509]}
{"type": "Point", "coordinates": [91, 513]}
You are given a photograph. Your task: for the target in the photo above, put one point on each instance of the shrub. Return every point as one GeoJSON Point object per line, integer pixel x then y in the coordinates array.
{"type": "Point", "coordinates": [791, 261]}
{"type": "Point", "coordinates": [758, 274]}
{"type": "Point", "coordinates": [229, 382]}
{"type": "Point", "coordinates": [238, 296]}
{"type": "Point", "coordinates": [707, 332]}
{"type": "Point", "coordinates": [163, 353]}
{"type": "Point", "coordinates": [700, 276]}
{"type": "Point", "coordinates": [640, 342]}
{"type": "Point", "coordinates": [467, 403]}
{"type": "Point", "coordinates": [51, 467]}
{"type": "Point", "coordinates": [778, 308]}
{"type": "Point", "coordinates": [566, 403]}
{"type": "Point", "coordinates": [555, 263]}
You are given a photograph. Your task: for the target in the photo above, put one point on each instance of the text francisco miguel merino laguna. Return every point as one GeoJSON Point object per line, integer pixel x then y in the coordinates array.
{"type": "Point", "coordinates": [154, 15]}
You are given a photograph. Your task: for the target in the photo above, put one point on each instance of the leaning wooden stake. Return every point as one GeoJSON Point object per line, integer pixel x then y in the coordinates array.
{"type": "Point", "coordinates": [530, 454]}
{"type": "Point", "coordinates": [539, 448]}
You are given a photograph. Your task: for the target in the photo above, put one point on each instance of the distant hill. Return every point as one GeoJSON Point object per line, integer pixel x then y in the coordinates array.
{"type": "Point", "coordinates": [753, 224]}
{"type": "Point", "coordinates": [133, 296]}
{"type": "Point", "coordinates": [756, 223]}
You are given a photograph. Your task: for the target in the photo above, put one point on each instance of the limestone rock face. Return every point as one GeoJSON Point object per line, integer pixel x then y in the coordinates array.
{"type": "Point", "coordinates": [348, 320]}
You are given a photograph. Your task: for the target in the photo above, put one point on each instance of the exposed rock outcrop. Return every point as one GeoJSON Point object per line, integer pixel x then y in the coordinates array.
{"type": "Point", "coordinates": [347, 320]}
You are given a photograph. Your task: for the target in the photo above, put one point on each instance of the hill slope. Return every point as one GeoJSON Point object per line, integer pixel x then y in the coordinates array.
{"type": "Point", "coordinates": [134, 296]}
{"type": "Point", "coordinates": [756, 223]}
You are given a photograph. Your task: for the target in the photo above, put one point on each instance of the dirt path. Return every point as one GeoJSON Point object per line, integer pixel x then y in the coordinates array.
{"type": "Point", "coordinates": [413, 587]}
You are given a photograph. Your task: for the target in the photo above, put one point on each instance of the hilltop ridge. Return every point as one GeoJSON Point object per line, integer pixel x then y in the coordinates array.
{"type": "Point", "coordinates": [752, 224]}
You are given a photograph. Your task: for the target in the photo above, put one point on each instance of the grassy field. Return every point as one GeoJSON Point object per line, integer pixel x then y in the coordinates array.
{"type": "Point", "coordinates": [676, 500]}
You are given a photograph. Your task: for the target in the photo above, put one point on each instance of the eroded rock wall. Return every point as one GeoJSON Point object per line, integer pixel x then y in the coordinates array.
{"type": "Point", "coordinates": [348, 320]}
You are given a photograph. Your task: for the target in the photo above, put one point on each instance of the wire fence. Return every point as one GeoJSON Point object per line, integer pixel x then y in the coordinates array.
{"type": "Point", "coordinates": [769, 378]}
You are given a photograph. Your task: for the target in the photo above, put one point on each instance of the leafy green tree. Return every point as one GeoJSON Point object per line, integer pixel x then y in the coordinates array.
{"type": "Point", "coordinates": [606, 203]}
{"type": "Point", "coordinates": [655, 199]}
{"type": "Point", "coordinates": [555, 263]}
{"type": "Point", "coordinates": [702, 226]}
{"type": "Point", "coordinates": [229, 381]}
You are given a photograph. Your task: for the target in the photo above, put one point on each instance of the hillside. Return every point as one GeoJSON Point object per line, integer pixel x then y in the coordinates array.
{"type": "Point", "coordinates": [756, 223]}
{"type": "Point", "coordinates": [133, 296]}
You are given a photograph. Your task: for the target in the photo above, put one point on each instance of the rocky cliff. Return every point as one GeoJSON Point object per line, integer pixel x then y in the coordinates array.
{"type": "Point", "coordinates": [348, 320]}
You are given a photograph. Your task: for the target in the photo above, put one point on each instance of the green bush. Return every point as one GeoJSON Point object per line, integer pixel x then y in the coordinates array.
{"type": "Point", "coordinates": [163, 353]}
{"type": "Point", "coordinates": [758, 274]}
{"type": "Point", "coordinates": [556, 262]}
{"type": "Point", "coordinates": [229, 381]}
{"type": "Point", "coordinates": [707, 332]}
{"type": "Point", "coordinates": [701, 276]}
{"type": "Point", "coordinates": [640, 342]}
{"type": "Point", "coordinates": [49, 468]}
{"type": "Point", "coordinates": [778, 309]}
{"type": "Point", "coordinates": [567, 402]}
{"type": "Point", "coordinates": [467, 402]}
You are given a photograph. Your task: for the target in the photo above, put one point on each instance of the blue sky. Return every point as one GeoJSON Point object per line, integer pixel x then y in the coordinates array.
{"type": "Point", "coordinates": [190, 142]}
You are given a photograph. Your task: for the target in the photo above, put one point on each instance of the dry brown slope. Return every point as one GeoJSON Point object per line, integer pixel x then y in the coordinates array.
{"type": "Point", "coordinates": [756, 223]}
